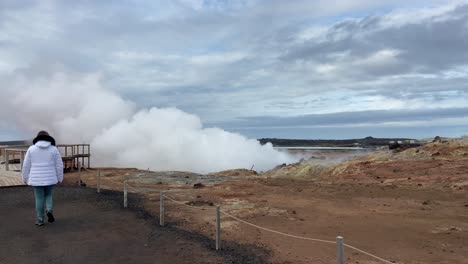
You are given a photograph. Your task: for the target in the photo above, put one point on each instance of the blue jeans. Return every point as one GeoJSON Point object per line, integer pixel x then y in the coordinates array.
{"type": "Point", "coordinates": [43, 196]}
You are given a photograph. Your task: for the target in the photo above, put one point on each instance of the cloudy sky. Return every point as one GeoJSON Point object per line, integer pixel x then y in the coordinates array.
{"type": "Point", "coordinates": [263, 68]}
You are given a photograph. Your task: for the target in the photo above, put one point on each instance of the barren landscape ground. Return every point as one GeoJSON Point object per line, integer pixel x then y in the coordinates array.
{"type": "Point", "coordinates": [406, 207]}
{"type": "Point", "coordinates": [91, 228]}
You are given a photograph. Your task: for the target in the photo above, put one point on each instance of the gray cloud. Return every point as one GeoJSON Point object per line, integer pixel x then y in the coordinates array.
{"type": "Point", "coordinates": [229, 60]}
{"type": "Point", "coordinates": [337, 132]}
{"type": "Point", "coordinates": [350, 118]}
{"type": "Point", "coordinates": [428, 45]}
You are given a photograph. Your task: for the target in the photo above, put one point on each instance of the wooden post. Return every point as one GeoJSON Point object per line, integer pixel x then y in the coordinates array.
{"type": "Point", "coordinates": [339, 250]}
{"type": "Point", "coordinates": [125, 194]}
{"type": "Point", "coordinates": [218, 228]}
{"type": "Point", "coordinates": [21, 160]}
{"type": "Point", "coordinates": [79, 174]}
{"type": "Point", "coordinates": [161, 208]}
{"type": "Point", "coordinates": [7, 160]}
{"type": "Point", "coordinates": [99, 181]}
{"type": "Point", "coordinates": [82, 157]}
{"type": "Point", "coordinates": [89, 156]}
{"type": "Point", "coordinates": [73, 155]}
{"type": "Point", "coordinates": [4, 157]}
{"type": "Point", "coordinates": [22, 156]}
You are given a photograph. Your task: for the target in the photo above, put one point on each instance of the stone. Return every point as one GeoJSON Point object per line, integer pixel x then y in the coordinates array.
{"type": "Point", "coordinates": [198, 185]}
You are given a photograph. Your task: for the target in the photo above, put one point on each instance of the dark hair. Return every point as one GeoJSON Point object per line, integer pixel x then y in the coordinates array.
{"type": "Point", "coordinates": [44, 136]}
{"type": "Point", "coordinates": [42, 133]}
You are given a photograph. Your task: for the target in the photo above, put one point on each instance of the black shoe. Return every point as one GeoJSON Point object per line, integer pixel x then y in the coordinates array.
{"type": "Point", "coordinates": [50, 217]}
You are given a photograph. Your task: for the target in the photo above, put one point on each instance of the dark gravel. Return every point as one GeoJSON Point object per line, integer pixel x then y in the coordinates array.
{"type": "Point", "coordinates": [94, 228]}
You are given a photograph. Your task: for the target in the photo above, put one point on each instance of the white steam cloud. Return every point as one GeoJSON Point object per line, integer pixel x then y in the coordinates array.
{"type": "Point", "coordinates": [75, 108]}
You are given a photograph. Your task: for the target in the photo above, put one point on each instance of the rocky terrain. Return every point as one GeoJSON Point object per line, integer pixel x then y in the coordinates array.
{"type": "Point", "coordinates": [439, 164]}
{"type": "Point", "coordinates": [367, 142]}
{"type": "Point", "coordinates": [406, 206]}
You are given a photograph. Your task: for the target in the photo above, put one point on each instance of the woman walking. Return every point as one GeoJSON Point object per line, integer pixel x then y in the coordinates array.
{"type": "Point", "coordinates": [42, 169]}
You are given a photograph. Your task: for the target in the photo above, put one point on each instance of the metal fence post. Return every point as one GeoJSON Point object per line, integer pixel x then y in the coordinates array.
{"type": "Point", "coordinates": [161, 208]}
{"type": "Point", "coordinates": [339, 250]}
{"type": "Point", "coordinates": [218, 228]}
{"type": "Point", "coordinates": [99, 181]}
{"type": "Point", "coordinates": [125, 194]}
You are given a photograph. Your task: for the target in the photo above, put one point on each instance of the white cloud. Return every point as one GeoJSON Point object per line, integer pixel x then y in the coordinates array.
{"type": "Point", "coordinates": [217, 58]}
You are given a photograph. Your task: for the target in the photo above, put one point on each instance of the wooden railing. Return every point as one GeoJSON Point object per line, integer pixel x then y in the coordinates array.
{"type": "Point", "coordinates": [73, 155]}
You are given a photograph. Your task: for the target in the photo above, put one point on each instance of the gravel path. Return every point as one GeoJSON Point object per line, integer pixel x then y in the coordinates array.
{"type": "Point", "coordinates": [93, 228]}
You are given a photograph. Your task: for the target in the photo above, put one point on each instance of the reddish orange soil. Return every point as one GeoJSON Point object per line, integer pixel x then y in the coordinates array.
{"type": "Point", "coordinates": [408, 207]}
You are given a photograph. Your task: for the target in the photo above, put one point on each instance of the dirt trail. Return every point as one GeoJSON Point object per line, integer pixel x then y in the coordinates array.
{"type": "Point", "coordinates": [94, 228]}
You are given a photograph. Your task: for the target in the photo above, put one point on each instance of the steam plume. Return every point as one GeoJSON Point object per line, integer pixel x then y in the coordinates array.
{"type": "Point", "coordinates": [76, 108]}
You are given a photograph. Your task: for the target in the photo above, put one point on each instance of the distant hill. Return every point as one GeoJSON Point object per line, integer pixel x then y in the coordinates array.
{"type": "Point", "coordinates": [364, 142]}
{"type": "Point", "coordinates": [15, 142]}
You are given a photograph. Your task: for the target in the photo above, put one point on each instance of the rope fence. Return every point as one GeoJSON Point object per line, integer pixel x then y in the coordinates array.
{"type": "Point", "coordinates": [305, 238]}
{"type": "Point", "coordinates": [277, 232]}
{"type": "Point", "coordinates": [340, 245]}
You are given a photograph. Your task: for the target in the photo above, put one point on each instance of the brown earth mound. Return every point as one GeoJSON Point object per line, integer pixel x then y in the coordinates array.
{"type": "Point", "coordinates": [437, 164]}
{"type": "Point", "coordinates": [443, 163]}
{"type": "Point", "coordinates": [235, 172]}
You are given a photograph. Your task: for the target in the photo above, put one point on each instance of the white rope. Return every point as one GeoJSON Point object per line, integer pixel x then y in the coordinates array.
{"type": "Point", "coordinates": [304, 238]}
{"type": "Point", "coordinates": [368, 254]}
{"type": "Point", "coordinates": [132, 188]}
{"type": "Point", "coordinates": [266, 229]}
{"type": "Point", "coordinates": [182, 203]}
{"type": "Point", "coordinates": [119, 183]}
{"type": "Point", "coordinates": [142, 189]}
{"type": "Point", "coordinates": [114, 181]}
{"type": "Point", "coordinates": [278, 232]}
{"type": "Point", "coordinates": [135, 189]}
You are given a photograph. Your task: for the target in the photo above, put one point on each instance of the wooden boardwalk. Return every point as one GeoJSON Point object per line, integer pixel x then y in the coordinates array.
{"type": "Point", "coordinates": [73, 156]}
{"type": "Point", "coordinates": [10, 178]}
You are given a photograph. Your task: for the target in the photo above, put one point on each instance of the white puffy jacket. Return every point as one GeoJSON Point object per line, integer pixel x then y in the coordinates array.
{"type": "Point", "coordinates": [42, 165]}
